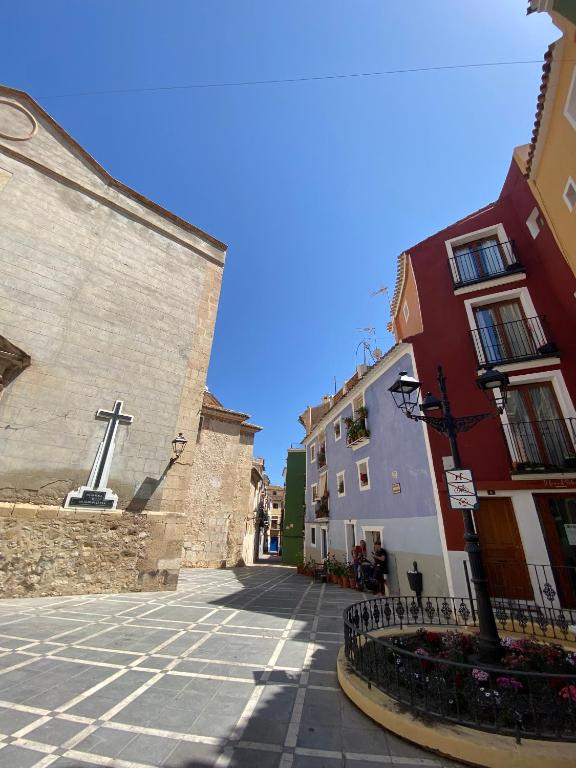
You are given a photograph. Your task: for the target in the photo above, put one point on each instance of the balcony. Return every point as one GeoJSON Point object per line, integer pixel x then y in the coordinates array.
{"type": "Point", "coordinates": [322, 509]}
{"type": "Point", "coordinates": [357, 431]}
{"type": "Point", "coordinates": [482, 264]}
{"type": "Point", "coordinates": [542, 446]}
{"type": "Point", "coordinates": [513, 342]}
{"type": "Point", "coordinates": [321, 458]}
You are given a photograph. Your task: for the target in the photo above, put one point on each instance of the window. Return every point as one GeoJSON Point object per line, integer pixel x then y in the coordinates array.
{"type": "Point", "coordinates": [313, 535]}
{"type": "Point", "coordinates": [337, 429]}
{"type": "Point", "coordinates": [322, 450]}
{"type": "Point", "coordinates": [340, 484]}
{"type": "Point", "coordinates": [323, 543]}
{"type": "Point", "coordinates": [314, 492]}
{"type": "Point", "coordinates": [570, 108]}
{"type": "Point", "coordinates": [535, 223]}
{"type": "Point", "coordinates": [313, 453]}
{"type": "Point", "coordinates": [504, 333]}
{"type": "Point", "coordinates": [406, 311]}
{"type": "Point", "coordinates": [570, 194]}
{"type": "Point", "coordinates": [479, 259]}
{"type": "Point", "coordinates": [275, 505]}
{"type": "Point", "coordinates": [363, 475]}
{"type": "Point", "coordinates": [357, 425]}
{"type": "Point", "coordinates": [538, 435]}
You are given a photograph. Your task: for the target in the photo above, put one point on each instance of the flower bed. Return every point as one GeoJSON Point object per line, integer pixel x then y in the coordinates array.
{"type": "Point", "coordinates": [531, 693]}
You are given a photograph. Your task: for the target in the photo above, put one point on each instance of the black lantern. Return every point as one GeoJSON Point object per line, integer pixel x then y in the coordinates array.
{"type": "Point", "coordinates": [430, 403]}
{"type": "Point", "coordinates": [405, 392]}
{"type": "Point", "coordinates": [491, 381]}
{"type": "Point", "coordinates": [178, 445]}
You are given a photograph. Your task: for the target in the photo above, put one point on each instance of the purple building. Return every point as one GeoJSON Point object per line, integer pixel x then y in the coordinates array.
{"type": "Point", "coordinates": [368, 477]}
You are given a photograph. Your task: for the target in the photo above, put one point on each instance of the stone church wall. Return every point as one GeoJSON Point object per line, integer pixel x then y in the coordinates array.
{"type": "Point", "coordinates": [217, 505]}
{"type": "Point", "coordinates": [49, 551]}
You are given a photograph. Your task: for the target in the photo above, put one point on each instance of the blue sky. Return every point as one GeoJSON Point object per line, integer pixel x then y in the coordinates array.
{"type": "Point", "coordinates": [315, 186]}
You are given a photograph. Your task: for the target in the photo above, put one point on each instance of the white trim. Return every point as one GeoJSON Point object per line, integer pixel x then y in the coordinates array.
{"type": "Point", "coordinates": [478, 234]}
{"type": "Point", "coordinates": [406, 311]}
{"type": "Point", "coordinates": [313, 537]}
{"type": "Point", "coordinates": [570, 183]}
{"type": "Point", "coordinates": [533, 224]}
{"type": "Point", "coordinates": [347, 524]}
{"type": "Point", "coordinates": [323, 530]}
{"type": "Point", "coordinates": [545, 362]}
{"type": "Point", "coordinates": [571, 93]}
{"type": "Point", "coordinates": [367, 462]}
{"type": "Point", "coordinates": [545, 476]}
{"type": "Point", "coordinates": [314, 489]}
{"type": "Point", "coordinates": [343, 476]}
{"type": "Point", "coordinates": [339, 422]}
{"type": "Point", "coordinates": [498, 281]}
{"type": "Point", "coordinates": [313, 452]}
{"type": "Point", "coordinates": [373, 528]}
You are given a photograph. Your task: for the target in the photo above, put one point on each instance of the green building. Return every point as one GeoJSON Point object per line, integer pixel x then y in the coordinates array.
{"type": "Point", "coordinates": [294, 507]}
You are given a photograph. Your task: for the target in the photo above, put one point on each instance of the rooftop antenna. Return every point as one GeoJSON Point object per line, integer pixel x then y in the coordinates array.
{"type": "Point", "coordinates": [365, 343]}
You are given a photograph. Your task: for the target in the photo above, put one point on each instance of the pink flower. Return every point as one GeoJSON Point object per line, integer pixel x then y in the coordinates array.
{"type": "Point", "coordinates": [509, 682]}
{"type": "Point", "coordinates": [421, 652]}
{"type": "Point", "coordinates": [480, 675]}
{"type": "Point", "coordinates": [568, 692]}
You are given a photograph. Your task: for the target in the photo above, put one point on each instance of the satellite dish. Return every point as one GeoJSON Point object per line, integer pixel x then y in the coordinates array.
{"type": "Point", "coordinates": [377, 353]}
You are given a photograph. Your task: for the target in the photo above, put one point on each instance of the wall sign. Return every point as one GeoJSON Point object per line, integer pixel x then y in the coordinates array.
{"type": "Point", "coordinates": [396, 488]}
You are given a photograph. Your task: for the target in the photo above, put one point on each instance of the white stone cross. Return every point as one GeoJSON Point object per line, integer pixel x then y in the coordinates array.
{"type": "Point", "coordinates": [96, 492]}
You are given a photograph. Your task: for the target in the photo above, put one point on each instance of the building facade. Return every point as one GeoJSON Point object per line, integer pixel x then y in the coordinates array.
{"type": "Point", "coordinates": [550, 161]}
{"type": "Point", "coordinates": [218, 504]}
{"type": "Point", "coordinates": [105, 297]}
{"type": "Point", "coordinates": [275, 517]}
{"type": "Point", "coordinates": [294, 507]}
{"type": "Point", "coordinates": [495, 289]}
{"type": "Point", "coordinates": [368, 478]}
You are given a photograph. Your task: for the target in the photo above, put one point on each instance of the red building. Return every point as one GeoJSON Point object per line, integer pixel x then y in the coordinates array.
{"type": "Point", "coordinates": [494, 288]}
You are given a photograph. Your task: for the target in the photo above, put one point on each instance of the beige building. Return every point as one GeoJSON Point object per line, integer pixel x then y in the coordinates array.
{"type": "Point", "coordinates": [275, 512]}
{"type": "Point", "coordinates": [221, 489]}
{"type": "Point", "coordinates": [105, 298]}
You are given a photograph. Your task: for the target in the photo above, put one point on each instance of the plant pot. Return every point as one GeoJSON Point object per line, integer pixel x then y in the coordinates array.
{"type": "Point", "coordinates": [345, 582]}
{"type": "Point", "coordinates": [332, 578]}
{"type": "Point", "coordinates": [352, 583]}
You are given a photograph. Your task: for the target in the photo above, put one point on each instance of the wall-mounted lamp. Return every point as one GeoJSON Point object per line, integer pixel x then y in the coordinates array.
{"type": "Point", "coordinates": [178, 445]}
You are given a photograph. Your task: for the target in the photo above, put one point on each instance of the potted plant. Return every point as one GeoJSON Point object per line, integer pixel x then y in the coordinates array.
{"type": "Point", "coordinates": [351, 576]}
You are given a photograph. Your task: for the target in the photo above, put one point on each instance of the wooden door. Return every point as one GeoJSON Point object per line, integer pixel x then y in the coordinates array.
{"type": "Point", "coordinates": [502, 551]}
{"type": "Point", "coordinates": [557, 514]}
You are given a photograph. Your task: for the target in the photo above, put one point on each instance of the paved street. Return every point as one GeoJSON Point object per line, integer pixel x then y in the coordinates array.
{"type": "Point", "coordinates": [234, 669]}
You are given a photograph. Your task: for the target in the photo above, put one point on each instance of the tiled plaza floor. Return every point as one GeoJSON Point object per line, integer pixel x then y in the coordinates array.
{"type": "Point", "coordinates": [235, 669]}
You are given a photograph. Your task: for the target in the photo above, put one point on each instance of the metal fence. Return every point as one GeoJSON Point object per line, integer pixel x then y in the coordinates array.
{"type": "Point", "coordinates": [525, 704]}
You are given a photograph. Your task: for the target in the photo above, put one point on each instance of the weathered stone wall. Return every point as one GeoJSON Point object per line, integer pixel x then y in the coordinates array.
{"type": "Point", "coordinates": [217, 504]}
{"type": "Point", "coordinates": [53, 551]}
{"type": "Point", "coordinates": [111, 299]}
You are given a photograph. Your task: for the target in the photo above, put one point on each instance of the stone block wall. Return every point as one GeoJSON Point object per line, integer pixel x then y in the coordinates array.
{"type": "Point", "coordinates": [218, 502]}
{"type": "Point", "coordinates": [47, 550]}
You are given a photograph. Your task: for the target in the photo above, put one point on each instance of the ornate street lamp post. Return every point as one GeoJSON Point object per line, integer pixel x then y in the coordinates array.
{"type": "Point", "coordinates": [405, 393]}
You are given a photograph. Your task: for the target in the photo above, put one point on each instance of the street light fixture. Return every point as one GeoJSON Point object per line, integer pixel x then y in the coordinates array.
{"type": "Point", "coordinates": [405, 393]}
{"type": "Point", "coordinates": [178, 445]}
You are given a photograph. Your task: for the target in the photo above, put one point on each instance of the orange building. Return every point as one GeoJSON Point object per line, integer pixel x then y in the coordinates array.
{"type": "Point", "coordinates": [550, 160]}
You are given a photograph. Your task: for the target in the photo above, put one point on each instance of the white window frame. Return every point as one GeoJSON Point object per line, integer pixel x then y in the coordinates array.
{"type": "Point", "coordinates": [358, 463]}
{"type": "Point", "coordinates": [571, 92]}
{"type": "Point", "coordinates": [406, 311]}
{"type": "Point", "coordinates": [533, 224]}
{"type": "Point", "coordinates": [314, 492]}
{"type": "Point", "coordinates": [347, 525]}
{"type": "Point", "coordinates": [360, 394]}
{"type": "Point", "coordinates": [570, 183]}
{"type": "Point", "coordinates": [523, 296]}
{"type": "Point", "coordinates": [372, 529]}
{"type": "Point", "coordinates": [313, 538]}
{"type": "Point", "coordinates": [560, 390]}
{"type": "Point", "coordinates": [312, 452]}
{"type": "Point", "coordinates": [339, 422]}
{"type": "Point", "coordinates": [338, 476]}
{"type": "Point", "coordinates": [323, 529]}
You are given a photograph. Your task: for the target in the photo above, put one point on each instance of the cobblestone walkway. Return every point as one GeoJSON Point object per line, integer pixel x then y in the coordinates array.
{"type": "Point", "coordinates": [234, 669]}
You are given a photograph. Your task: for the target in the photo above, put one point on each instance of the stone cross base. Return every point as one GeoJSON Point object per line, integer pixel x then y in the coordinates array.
{"type": "Point", "coordinates": [87, 497]}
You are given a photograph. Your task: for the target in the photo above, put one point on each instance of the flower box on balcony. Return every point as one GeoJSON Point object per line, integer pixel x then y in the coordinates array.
{"type": "Point", "coordinates": [357, 432]}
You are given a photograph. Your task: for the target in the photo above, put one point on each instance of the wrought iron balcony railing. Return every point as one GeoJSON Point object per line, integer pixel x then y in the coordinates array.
{"type": "Point", "coordinates": [322, 509]}
{"type": "Point", "coordinates": [322, 458]}
{"type": "Point", "coordinates": [548, 445]}
{"type": "Point", "coordinates": [513, 341]}
{"type": "Point", "coordinates": [481, 264]}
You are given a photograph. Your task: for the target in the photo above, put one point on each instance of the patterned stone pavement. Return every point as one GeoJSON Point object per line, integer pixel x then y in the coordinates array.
{"type": "Point", "coordinates": [234, 669]}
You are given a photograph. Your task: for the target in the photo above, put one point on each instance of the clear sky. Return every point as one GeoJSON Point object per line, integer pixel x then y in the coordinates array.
{"type": "Point", "coordinates": [315, 186]}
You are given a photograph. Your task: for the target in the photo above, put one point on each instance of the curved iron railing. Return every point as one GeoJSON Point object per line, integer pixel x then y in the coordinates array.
{"type": "Point", "coordinates": [524, 704]}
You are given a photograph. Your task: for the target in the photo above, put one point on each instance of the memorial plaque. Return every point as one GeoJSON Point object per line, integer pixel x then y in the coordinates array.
{"type": "Point", "coordinates": [93, 499]}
